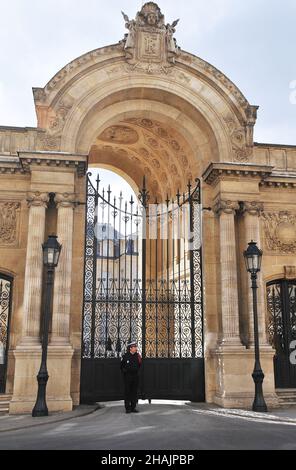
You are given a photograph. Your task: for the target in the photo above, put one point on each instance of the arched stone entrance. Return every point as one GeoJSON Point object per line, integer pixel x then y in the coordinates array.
{"type": "Point", "coordinates": [143, 280]}
{"type": "Point", "coordinates": [144, 107]}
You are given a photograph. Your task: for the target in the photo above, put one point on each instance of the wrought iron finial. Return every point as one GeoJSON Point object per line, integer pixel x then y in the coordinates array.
{"type": "Point", "coordinates": [98, 182]}
{"type": "Point", "coordinates": [189, 186]}
{"type": "Point", "coordinates": [109, 192]}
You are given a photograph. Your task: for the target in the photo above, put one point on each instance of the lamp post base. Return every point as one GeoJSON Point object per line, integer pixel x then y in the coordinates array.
{"type": "Point", "coordinates": [39, 413]}
{"type": "Point", "coordinates": [40, 408]}
{"type": "Point", "coordinates": [259, 404]}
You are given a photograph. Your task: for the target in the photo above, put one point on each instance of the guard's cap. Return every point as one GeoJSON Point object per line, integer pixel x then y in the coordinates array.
{"type": "Point", "coordinates": [132, 343]}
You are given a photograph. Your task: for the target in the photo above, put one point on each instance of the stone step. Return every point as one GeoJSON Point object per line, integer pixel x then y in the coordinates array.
{"type": "Point", "coordinates": [4, 402]}
{"type": "Point", "coordinates": [287, 397]}
{"type": "Point", "coordinates": [4, 407]}
{"type": "Point", "coordinates": [5, 397]}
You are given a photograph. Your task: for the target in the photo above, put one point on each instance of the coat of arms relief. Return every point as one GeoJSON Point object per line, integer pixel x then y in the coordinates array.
{"type": "Point", "coordinates": [149, 44]}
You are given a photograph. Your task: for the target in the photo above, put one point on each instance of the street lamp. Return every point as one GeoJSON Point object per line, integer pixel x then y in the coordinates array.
{"type": "Point", "coordinates": [51, 253]}
{"type": "Point", "coordinates": [253, 259]}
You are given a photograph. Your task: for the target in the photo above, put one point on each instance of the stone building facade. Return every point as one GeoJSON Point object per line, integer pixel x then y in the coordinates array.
{"type": "Point", "coordinates": [143, 107]}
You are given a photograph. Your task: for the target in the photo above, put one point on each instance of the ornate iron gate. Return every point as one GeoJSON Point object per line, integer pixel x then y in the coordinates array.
{"type": "Point", "coordinates": [5, 308]}
{"type": "Point", "coordinates": [281, 302]}
{"type": "Point", "coordinates": [143, 281]}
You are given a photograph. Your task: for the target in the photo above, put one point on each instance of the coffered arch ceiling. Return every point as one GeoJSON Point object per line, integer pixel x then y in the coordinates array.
{"type": "Point", "coordinates": [141, 146]}
{"type": "Point", "coordinates": [149, 132]}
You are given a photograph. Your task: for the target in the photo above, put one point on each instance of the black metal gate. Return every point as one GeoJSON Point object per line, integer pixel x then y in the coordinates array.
{"type": "Point", "coordinates": [5, 308]}
{"type": "Point", "coordinates": [143, 282]}
{"type": "Point", "coordinates": [281, 302]}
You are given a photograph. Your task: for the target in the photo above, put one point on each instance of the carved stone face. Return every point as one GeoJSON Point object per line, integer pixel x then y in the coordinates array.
{"type": "Point", "coordinates": [152, 19]}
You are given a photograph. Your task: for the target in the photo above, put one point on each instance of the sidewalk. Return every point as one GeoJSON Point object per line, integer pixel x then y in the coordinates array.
{"type": "Point", "coordinates": [278, 415]}
{"type": "Point", "coordinates": [18, 422]}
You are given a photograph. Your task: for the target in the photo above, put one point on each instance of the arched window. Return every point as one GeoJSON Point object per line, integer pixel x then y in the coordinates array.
{"type": "Point", "coordinates": [5, 309]}
{"type": "Point", "coordinates": [281, 305]}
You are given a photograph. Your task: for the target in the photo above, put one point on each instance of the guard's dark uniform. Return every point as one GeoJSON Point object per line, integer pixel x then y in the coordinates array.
{"type": "Point", "coordinates": [130, 366]}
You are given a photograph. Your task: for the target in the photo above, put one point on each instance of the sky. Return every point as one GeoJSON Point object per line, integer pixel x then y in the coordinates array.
{"type": "Point", "coordinates": [117, 185]}
{"type": "Point", "coordinates": [252, 42]}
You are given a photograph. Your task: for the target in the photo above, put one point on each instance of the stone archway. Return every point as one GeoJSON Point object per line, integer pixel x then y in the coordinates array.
{"type": "Point", "coordinates": [144, 106]}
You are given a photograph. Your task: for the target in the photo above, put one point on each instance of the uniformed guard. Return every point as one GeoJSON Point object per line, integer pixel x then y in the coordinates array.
{"type": "Point", "coordinates": [130, 366]}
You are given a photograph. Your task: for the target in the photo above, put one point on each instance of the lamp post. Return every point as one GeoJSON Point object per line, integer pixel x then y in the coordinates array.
{"type": "Point", "coordinates": [253, 259]}
{"type": "Point", "coordinates": [51, 253]}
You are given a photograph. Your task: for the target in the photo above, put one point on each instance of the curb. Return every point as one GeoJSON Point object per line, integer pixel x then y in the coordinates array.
{"type": "Point", "coordinates": [233, 413]}
{"type": "Point", "coordinates": [53, 420]}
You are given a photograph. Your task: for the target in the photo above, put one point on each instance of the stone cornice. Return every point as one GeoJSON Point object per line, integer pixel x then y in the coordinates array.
{"type": "Point", "coordinates": [278, 146]}
{"type": "Point", "coordinates": [10, 165]}
{"type": "Point", "coordinates": [279, 181]}
{"type": "Point", "coordinates": [19, 129]}
{"type": "Point", "coordinates": [219, 170]}
{"type": "Point", "coordinates": [53, 159]}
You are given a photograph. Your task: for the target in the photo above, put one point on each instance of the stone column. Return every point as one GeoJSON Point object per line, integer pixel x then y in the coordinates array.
{"type": "Point", "coordinates": [34, 268]}
{"type": "Point", "coordinates": [62, 287]}
{"type": "Point", "coordinates": [229, 288]}
{"type": "Point", "coordinates": [251, 213]}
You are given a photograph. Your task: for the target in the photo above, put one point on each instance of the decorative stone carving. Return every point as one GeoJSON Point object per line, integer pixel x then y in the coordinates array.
{"type": "Point", "coordinates": [212, 72]}
{"type": "Point", "coordinates": [158, 130]}
{"type": "Point", "coordinates": [162, 133]}
{"type": "Point", "coordinates": [65, 200]}
{"type": "Point", "coordinates": [119, 135]}
{"type": "Point", "coordinates": [147, 171]}
{"type": "Point", "coordinates": [37, 199]}
{"type": "Point", "coordinates": [290, 272]}
{"type": "Point", "coordinates": [57, 122]}
{"type": "Point", "coordinates": [241, 151]}
{"type": "Point", "coordinates": [251, 112]}
{"type": "Point", "coordinates": [48, 142]}
{"type": "Point", "coordinates": [175, 145]}
{"type": "Point", "coordinates": [8, 222]}
{"type": "Point", "coordinates": [149, 45]}
{"type": "Point", "coordinates": [39, 94]}
{"type": "Point", "coordinates": [144, 152]}
{"type": "Point", "coordinates": [174, 170]}
{"type": "Point", "coordinates": [253, 208]}
{"type": "Point", "coordinates": [184, 160]}
{"type": "Point", "coordinates": [51, 140]}
{"type": "Point", "coordinates": [228, 207]}
{"type": "Point", "coordinates": [280, 231]}
{"type": "Point", "coordinates": [153, 143]}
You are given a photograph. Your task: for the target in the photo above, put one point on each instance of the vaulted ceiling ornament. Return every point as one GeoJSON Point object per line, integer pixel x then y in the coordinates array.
{"type": "Point", "coordinates": [149, 44]}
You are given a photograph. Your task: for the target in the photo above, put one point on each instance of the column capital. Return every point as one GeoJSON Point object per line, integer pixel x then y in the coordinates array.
{"type": "Point", "coordinates": [37, 199]}
{"type": "Point", "coordinates": [226, 207]}
{"type": "Point", "coordinates": [65, 200]}
{"type": "Point", "coordinates": [252, 208]}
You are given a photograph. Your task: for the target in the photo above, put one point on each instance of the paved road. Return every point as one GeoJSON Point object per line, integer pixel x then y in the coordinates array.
{"type": "Point", "coordinates": [156, 427]}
